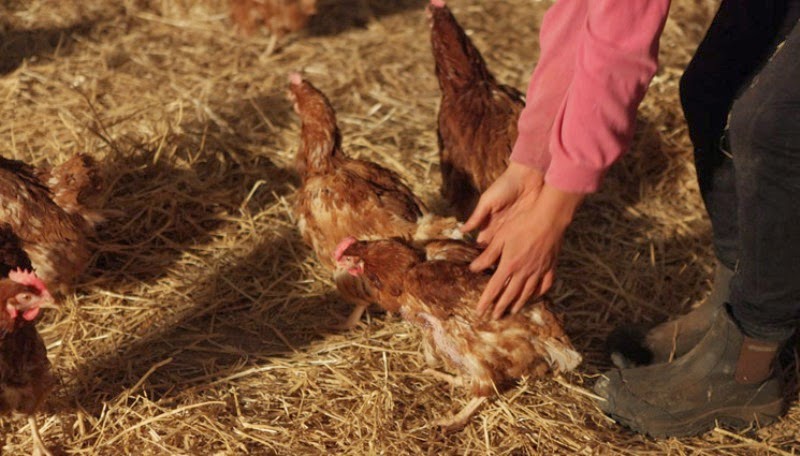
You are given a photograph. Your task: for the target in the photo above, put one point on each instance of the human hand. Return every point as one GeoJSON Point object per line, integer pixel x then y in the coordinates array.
{"type": "Point", "coordinates": [517, 180]}
{"type": "Point", "coordinates": [527, 242]}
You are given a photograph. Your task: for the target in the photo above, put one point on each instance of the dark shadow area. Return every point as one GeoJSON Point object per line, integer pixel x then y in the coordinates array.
{"type": "Point", "coordinates": [168, 196]}
{"type": "Point", "coordinates": [337, 16]}
{"type": "Point", "coordinates": [18, 45]}
{"type": "Point", "coordinates": [234, 324]}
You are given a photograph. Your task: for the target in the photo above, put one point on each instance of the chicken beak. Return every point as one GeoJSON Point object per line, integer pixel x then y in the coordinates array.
{"type": "Point", "coordinates": [49, 305]}
{"type": "Point", "coordinates": [48, 302]}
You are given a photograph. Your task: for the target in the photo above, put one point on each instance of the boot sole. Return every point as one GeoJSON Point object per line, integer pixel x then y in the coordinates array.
{"type": "Point", "coordinates": [736, 418]}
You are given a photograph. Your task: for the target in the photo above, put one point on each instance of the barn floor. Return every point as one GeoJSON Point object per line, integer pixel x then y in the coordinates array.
{"type": "Point", "coordinates": [204, 325]}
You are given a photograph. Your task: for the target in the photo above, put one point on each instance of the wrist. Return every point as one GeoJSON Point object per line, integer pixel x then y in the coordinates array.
{"type": "Point", "coordinates": [559, 206]}
{"type": "Point", "coordinates": [528, 178]}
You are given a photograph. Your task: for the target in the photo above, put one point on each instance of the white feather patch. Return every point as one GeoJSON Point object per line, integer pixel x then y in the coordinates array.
{"type": "Point", "coordinates": [560, 357]}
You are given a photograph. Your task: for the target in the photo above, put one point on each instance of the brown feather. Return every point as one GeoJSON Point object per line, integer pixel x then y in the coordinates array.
{"type": "Point", "coordinates": [451, 250]}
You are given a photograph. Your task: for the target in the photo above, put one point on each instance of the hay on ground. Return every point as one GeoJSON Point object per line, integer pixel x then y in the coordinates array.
{"type": "Point", "coordinates": [202, 326]}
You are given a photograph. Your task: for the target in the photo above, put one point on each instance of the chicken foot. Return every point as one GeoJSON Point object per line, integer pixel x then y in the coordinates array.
{"type": "Point", "coordinates": [354, 318]}
{"type": "Point", "coordinates": [273, 43]}
{"type": "Point", "coordinates": [431, 360]}
{"type": "Point", "coordinates": [460, 419]}
{"type": "Point", "coordinates": [447, 378]}
{"type": "Point", "coordinates": [38, 445]}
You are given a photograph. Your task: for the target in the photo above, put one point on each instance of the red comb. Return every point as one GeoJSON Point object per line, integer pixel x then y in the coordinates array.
{"type": "Point", "coordinates": [438, 3]}
{"type": "Point", "coordinates": [295, 78]}
{"type": "Point", "coordinates": [29, 278]}
{"type": "Point", "coordinates": [343, 246]}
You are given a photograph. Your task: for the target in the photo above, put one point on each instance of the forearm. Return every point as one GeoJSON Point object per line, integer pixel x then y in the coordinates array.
{"type": "Point", "coordinates": [557, 207]}
{"type": "Point", "coordinates": [558, 42]}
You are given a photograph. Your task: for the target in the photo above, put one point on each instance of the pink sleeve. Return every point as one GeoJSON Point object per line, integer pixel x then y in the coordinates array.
{"type": "Point", "coordinates": [558, 40]}
{"type": "Point", "coordinates": [598, 62]}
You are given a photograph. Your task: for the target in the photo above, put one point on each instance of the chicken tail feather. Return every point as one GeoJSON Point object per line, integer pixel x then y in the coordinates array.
{"type": "Point", "coordinates": [561, 357]}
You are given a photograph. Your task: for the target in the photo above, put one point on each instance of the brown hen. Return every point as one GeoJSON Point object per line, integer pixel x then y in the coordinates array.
{"type": "Point", "coordinates": [478, 116]}
{"type": "Point", "coordinates": [278, 16]}
{"type": "Point", "coordinates": [52, 214]}
{"type": "Point", "coordinates": [436, 292]}
{"type": "Point", "coordinates": [25, 377]}
{"type": "Point", "coordinates": [342, 196]}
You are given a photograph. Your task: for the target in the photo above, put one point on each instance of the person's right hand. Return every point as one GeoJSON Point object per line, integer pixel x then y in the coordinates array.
{"type": "Point", "coordinates": [517, 181]}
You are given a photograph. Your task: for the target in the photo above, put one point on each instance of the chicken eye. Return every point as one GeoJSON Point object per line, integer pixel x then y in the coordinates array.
{"type": "Point", "coordinates": [24, 297]}
{"type": "Point", "coordinates": [376, 282]}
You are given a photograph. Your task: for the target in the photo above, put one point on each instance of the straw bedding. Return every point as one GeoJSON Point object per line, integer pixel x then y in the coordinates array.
{"type": "Point", "coordinates": [203, 326]}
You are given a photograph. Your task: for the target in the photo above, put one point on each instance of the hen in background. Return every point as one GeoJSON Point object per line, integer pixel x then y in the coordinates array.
{"type": "Point", "coordinates": [478, 116]}
{"type": "Point", "coordinates": [342, 196]}
{"type": "Point", "coordinates": [278, 16]}
{"type": "Point", "coordinates": [52, 212]}
{"type": "Point", "coordinates": [435, 291]}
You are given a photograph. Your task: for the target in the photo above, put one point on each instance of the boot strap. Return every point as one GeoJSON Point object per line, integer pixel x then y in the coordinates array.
{"type": "Point", "coordinates": [755, 360]}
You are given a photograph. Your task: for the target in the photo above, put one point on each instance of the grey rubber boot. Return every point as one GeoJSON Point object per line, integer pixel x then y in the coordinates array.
{"type": "Point", "coordinates": [631, 346]}
{"type": "Point", "coordinates": [726, 378]}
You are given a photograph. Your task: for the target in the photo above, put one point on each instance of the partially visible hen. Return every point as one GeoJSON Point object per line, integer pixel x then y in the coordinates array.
{"type": "Point", "coordinates": [478, 116]}
{"type": "Point", "coordinates": [278, 16]}
{"type": "Point", "coordinates": [341, 196]}
{"type": "Point", "coordinates": [11, 254]}
{"type": "Point", "coordinates": [435, 291]}
{"type": "Point", "coordinates": [52, 213]}
{"type": "Point", "coordinates": [25, 377]}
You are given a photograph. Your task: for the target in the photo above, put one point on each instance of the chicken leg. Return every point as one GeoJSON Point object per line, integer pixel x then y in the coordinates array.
{"type": "Point", "coordinates": [38, 445]}
{"type": "Point", "coordinates": [460, 419]}
{"type": "Point", "coordinates": [354, 318]}
{"type": "Point", "coordinates": [447, 378]}
{"type": "Point", "coordinates": [430, 359]}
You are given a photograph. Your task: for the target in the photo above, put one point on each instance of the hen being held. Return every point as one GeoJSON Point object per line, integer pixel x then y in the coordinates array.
{"type": "Point", "coordinates": [436, 292]}
{"type": "Point", "coordinates": [477, 116]}
{"type": "Point", "coordinates": [342, 196]}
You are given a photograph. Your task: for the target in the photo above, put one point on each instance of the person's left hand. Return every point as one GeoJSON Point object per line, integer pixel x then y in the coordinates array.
{"type": "Point", "coordinates": [527, 243]}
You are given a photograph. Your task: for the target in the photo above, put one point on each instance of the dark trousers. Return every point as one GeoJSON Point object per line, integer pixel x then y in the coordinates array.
{"type": "Point", "coordinates": [741, 98]}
